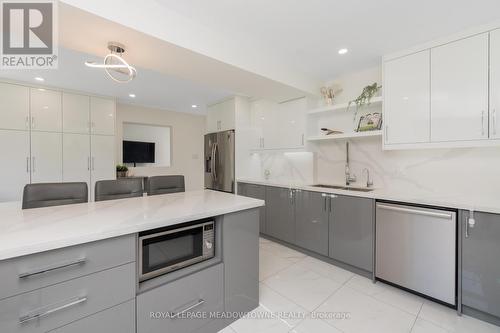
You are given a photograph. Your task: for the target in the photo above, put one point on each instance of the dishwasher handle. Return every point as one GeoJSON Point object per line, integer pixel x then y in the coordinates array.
{"type": "Point", "coordinates": [442, 215]}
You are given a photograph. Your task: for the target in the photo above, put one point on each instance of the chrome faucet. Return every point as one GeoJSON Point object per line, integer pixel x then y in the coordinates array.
{"type": "Point", "coordinates": [369, 181]}
{"type": "Point", "coordinates": [349, 178]}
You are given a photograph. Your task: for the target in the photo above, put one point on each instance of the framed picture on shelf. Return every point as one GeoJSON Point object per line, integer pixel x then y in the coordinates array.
{"type": "Point", "coordinates": [370, 122]}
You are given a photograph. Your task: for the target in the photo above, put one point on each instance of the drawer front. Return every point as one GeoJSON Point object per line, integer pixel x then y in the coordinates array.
{"type": "Point", "coordinates": [27, 273]}
{"type": "Point", "coordinates": [66, 302]}
{"type": "Point", "coordinates": [201, 292]}
{"type": "Point", "coordinates": [120, 318]}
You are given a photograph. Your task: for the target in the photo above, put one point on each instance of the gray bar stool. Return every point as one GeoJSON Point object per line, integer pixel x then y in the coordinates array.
{"type": "Point", "coordinates": [54, 194]}
{"type": "Point", "coordinates": [165, 184]}
{"type": "Point", "coordinates": [118, 189]}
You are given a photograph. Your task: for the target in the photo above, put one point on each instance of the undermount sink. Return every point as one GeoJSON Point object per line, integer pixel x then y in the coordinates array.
{"type": "Point", "coordinates": [347, 188]}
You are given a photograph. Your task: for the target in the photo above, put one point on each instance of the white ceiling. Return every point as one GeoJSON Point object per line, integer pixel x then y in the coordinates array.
{"type": "Point", "coordinates": [306, 35]}
{"type": "Point", "coordinates": [151, 88]}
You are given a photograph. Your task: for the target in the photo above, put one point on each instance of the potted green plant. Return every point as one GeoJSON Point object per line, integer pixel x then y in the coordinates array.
{"type": "Point", "coordinates": [121, 171]}
{"type": "Point", "coordinates": [365, 98]}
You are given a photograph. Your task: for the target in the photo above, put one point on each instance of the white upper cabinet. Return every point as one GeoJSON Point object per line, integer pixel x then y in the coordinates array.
{"type": "Point", "coordinates": [46, 157]}
{"type": "Point", "coordinates": [264, 122]}
{"type": "Point", "coordinates": [76, 158]}
{"type": "Point", "coordinates": [14, 113]}
{"type": "Point", "coordinates": [279, 125]}
{"type": "Point", "coordinates": [459, 90]}
{"type": "Point", "coordinates": [291, 125]}
{"type": "Point", "coordinates": [102, 161]}
{"type": "Point", "coordinates": [76, 113]}
{"type": "Point", "coordinates": [46, 110]}
{"type": "Point", "coordinates": [102, 116]}
{"type": "Point", "coordinates": [221, 116]}
{"type": "Point", "coordinates": [15, 152]}
{"type": "Point", "coordinates": [494, 84]}
{"type": "Point", "coordinates": [407, 99]}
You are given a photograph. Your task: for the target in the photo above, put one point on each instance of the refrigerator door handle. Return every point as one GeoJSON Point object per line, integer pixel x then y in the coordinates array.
{"type": "Point", "coordinates": [214, 170]}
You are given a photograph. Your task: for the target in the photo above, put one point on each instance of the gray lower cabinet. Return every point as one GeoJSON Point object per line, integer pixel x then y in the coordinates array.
{"type": "Point", "coordinates": [240, 251]}
{"type": "Point", "coordinates": [257, 192]}
{"type": "Point", "coordinates": [27, 273]}
{"type": "Point", "coordinates": [54, 306]}
{"type": "Point", "coordinates": [280, 213]}
{"type": "Point", "coordinates": [311, 221]}
{"type": "Point", "coordinates": [180, 306]}
{"type": "Point", "coordinates": [118, 319]}
{"type": "Point", "coordinates": [352, 231]}
{"type": "Point", "coordinates": [480, 263]}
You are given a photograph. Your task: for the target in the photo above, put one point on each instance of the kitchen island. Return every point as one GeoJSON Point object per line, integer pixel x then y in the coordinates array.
{"type": "Point", "coordinates": [75, 268]}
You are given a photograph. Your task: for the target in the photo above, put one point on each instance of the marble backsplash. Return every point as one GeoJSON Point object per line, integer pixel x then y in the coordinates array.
{"type": "Point", "coordinates": [436, 172]}
{"type": "Point", "coordinates": [294, 168]}
{"type": "Point", "coordinates": [442, 172]}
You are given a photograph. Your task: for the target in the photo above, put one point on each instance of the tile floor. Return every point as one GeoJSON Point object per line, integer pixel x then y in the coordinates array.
{"type": "Point", "coordinates": [323, 298]}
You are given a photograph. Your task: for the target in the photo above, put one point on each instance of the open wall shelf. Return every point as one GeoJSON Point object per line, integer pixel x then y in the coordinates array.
{"type": "Point", "coordinates": [352, 135]}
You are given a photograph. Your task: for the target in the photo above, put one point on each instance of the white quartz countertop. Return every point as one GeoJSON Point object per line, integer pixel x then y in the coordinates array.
{"type": "Point", "coordinates": [475, 202]}
{"type": "Point", "coordinates": [36, 230]}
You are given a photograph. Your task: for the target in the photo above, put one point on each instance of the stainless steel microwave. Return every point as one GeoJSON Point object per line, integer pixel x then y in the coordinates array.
{"type": "Point", "coordinates": [165, 250]}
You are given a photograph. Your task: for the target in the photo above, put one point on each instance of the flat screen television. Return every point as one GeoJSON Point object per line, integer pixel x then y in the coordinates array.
{"type": "Point", "coordinates": [138, 152]}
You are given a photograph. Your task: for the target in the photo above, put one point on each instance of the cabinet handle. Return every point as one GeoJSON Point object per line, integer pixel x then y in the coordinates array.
{"type": "Point", "coordinates": [482, 123]}
{"type": "Point", "coordinates": [54, 267]}
{"type": "Point", "coordinates": [386, 133]}
{"type": "Point", "coordinates": [494, 121]}
{"type": "Point", "coordinates": [88, 163]}
{"type": "Point", "coordinates": [26, 122]}
{"type": "Point", "coordinates": [93, 163]}
{"type": "Point", "coordinates": [27, 164]}
{"type": "Point", "coordinates": [263, 143]}
{"type": "Point", "coordinates": [325, 196]}
{"type": "Point", "coordinates": [32, 122]}
{"type": "Point", "coordinates": [191, 307]}
{"type": "Point", "coordinates": [43, 312]}
{"type": "Point", "coordinates": [469, 223]}
{"type": "Point", "coordinates": [33, 165]}
{"type": "Point", "coordinates": [302, 139]}
{"type": "Point", "coordinates": [331, 196]}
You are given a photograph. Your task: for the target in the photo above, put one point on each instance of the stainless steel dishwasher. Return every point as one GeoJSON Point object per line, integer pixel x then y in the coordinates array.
{"type": "Point", "coordinates": [416, 249]}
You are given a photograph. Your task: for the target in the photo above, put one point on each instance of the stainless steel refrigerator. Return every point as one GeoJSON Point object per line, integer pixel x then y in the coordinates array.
{"type": "Point", "coordinates": [219, 161]}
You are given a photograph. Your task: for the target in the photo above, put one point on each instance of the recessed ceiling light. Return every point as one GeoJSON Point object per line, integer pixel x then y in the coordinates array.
{"type": "Point", "coordinates": [343, 51]}
{"type": "Point", "coordinates": [40, 79]}
{"type": "Point", "coordinates": [194, 106]}
{"type": "Point", "coordinates": [131, 95]}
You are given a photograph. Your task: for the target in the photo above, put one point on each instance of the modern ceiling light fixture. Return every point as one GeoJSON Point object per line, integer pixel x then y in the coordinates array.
{"type": "Point", "coordinates": [115, 66]}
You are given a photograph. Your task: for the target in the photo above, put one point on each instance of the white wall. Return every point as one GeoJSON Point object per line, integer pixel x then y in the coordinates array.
{"type": "Point", "coordinates": [187, 141]}
{"type": "Point", "coordinates": [159, 135]}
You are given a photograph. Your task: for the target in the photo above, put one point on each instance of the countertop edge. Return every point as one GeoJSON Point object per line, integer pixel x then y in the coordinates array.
{"type": "Point", "coordinates": [118, 232]}
{"type": "Point", "coordinates": [379, 194]}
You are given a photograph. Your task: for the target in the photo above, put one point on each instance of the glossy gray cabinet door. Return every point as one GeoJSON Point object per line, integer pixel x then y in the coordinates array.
{"type": "Point", "coordinates": [257, 192]}
{"type": "Point", "coordinates": [201, 292]}
{"type": "Point", "coordinates": [311, 221]}
{"type": "Point", "coordinates": [481, 263]}
{"type": "Point", "coordinates": [120, 318]}
{"type": "Point", "coordinates": [242, 189]}
{"type": "Point", "coordinates": [351, 231]}
{"type": "Point", "coordinates": [240, 252]}
{"type": "Point", "coordinates": [280, 215]}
